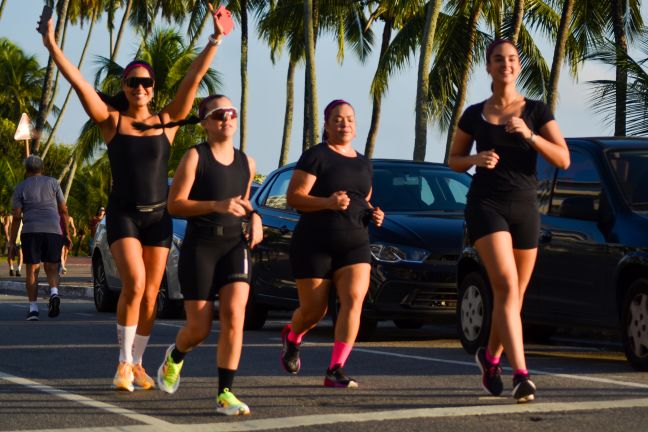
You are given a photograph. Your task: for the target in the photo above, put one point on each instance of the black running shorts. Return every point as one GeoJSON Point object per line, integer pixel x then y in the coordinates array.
{"type": "Point", "coordinates": [150, 228]}
{"type": "Point", "coordinates": [211, 258]}
{"type": "Point", "coordinates": [41, 247]}
{"type": "Point", "coordinates": [519, 217]}
{"type": "Point", "coordinates": [318, 254]}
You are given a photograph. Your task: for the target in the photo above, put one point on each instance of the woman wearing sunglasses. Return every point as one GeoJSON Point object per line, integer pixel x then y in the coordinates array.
{"type": "Point", "coordinates": [138, 225]}
{"type": "Point", "coordinates": [211, 189]}
{"type": "Point", "coordinates": [331, 187]}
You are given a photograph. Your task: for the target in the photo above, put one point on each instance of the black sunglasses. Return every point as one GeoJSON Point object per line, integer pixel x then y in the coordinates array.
{"type": "Point", "coordinates": [134, 82]}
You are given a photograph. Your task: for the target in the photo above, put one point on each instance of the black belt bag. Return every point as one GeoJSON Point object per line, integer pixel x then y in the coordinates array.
{"type": "Point", "coordinates": [148, 208]}
{"type": "Point", "coordinates": [211, 231]}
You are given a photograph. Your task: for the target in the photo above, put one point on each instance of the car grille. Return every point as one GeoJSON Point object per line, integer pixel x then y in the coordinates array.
{"type": "Point", "coordinates": [419, 295]}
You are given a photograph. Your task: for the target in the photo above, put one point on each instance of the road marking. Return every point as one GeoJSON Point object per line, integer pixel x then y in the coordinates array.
{"type": "Point", "coordinates": [83, 400]}
{"type": "Point", "coordinates": [375, 416]}
{"type": "Point", "coordinates": [84, 314]}
{"type": "Point", "coordinates": [533, 371]}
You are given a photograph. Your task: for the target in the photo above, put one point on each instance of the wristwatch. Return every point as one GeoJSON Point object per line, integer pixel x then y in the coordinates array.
{"type": "Point", "coordinates": [214, 41]}
{"type": "Point", "coordinates": [531, 137]}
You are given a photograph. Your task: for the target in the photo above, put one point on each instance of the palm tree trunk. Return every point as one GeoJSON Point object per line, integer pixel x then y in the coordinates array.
{"type": "Point", "coordinates": [66, 169]}
{"type": "Point", "coordinates": [288, 116]}
{"type": "Point", "coordinates": [465, 74]}
{"type": "Point", "coordinates": [149, 28]}
{"type": "Point", "coordinates": [68, 185]}
{"type": "Point", "coordinates": [377, 100]}
{"type": "Point", "coordinates": [621, 42]}
{"type": "Point", "coordinates": [58, 72]}
{"type": "Point", "coordinates": [423, 87]}
{"type": "Point", "coordinates": [50, 139]}
{"type": "Point", "coordinates": [48, 90]}
{"type": "Point", "coordinates": [122, 28]}
{"type": "Point", "coordinates": [310, 104]}
{"type": "Point", "coordinates": [516, 24]}
{"type": "Point", "coordinates": [559, 54]}
{"type": "Point", "coordinates": [2, 6]}
{"type": "Point", "coordinates": [244, 77]}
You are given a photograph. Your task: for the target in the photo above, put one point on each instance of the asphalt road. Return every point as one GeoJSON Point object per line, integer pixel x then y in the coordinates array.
{"type": "Point", "coordinates": [55, 374]}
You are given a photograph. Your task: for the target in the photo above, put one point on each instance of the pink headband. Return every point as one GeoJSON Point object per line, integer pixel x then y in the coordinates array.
{"type": "Point", "coordinates": [333, 104]}
{"type": "Point", "coordinates": [134, 65]}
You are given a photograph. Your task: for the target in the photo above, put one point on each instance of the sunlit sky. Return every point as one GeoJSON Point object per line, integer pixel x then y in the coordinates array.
{"type": "Point", "coordinates": [267, 88]}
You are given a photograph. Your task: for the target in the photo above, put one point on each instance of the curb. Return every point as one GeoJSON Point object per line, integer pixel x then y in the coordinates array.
{"type": "Point", "coordinates": [15, 287]}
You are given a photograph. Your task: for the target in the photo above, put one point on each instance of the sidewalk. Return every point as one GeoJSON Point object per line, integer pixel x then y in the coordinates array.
{"type": "Point", "coordinates": [77, 282]}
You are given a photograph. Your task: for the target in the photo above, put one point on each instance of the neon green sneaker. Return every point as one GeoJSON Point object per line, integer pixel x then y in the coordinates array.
{"type": "Point", "coordinates": [168, 374]}
{"type": "Point", "coordinates": [229, 405]}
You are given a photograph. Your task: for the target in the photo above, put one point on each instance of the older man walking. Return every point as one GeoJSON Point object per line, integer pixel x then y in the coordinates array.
{"type": "Point", "coordinates": [38, 201]}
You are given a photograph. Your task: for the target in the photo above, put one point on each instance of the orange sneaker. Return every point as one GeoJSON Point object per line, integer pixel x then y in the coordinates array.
{"type": "Point", "coordinates": [124, 377]}
{"type": "Point", "coordinates": [142, 381]}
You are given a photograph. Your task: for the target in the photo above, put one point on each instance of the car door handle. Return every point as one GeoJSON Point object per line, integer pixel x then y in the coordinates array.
{"type": "Point", "coordinates": [545, 236]}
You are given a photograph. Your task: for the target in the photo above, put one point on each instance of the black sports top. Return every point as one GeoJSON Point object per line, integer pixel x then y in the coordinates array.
{"type": "Point", "coordinates": [215, 181]}
{"type": "Point", "coordinates": [515, 173]}
{"type": "Point", "coordinates": [139, 166]}
{"type": "Point", "coordinates": [336, 172]}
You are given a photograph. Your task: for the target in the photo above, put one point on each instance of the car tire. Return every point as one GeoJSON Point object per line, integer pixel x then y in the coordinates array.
{"type": "Point", "coordinates": [255, 314]}
{"type": "Point", "coordinates": [634, 333]}
{"type": "Point", "coordinates": [474, 311]}
{"type": "Point", "coordinates": [367, 327]}
{"type": "Point", "coordinates": [408, 324]}
{"type": "Point", "coordinates": [166, 307]}
{"type": "Point", "coordinates": [105, 300]}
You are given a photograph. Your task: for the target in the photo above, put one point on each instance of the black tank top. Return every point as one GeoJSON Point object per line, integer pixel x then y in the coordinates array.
{"type": "Point", "coordinates": [215, 181]}
{"type": "Point", "coordinates": [139, 166]}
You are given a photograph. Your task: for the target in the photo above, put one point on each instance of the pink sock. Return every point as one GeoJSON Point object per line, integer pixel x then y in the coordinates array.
{"type": "Point", "coordinates": [340, 354]}
{"type": "Point", "coordinates": [490, 359]}
{"type": "Point", "coordinates": [521, 372]}
{"type": "Point", "coordinates": [294, 337]}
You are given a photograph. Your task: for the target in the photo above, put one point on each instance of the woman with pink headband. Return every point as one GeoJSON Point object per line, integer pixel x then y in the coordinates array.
{"type": "Point", "coordinates": [331, 187]}
{"type": "Point", "coordinates": [138, 225]}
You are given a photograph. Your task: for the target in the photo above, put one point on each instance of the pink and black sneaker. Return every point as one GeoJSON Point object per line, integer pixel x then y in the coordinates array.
{"type": "Point", "coordinates": [289, 352]}
{"type": "Point", "coordinates": [336, 378]}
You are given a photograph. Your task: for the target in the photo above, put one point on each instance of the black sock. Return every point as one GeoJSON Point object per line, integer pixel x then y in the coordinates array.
{"type": "Point", "coordinates": [225, 379]}
{"type": "Point", "coordinates": [177, 356]}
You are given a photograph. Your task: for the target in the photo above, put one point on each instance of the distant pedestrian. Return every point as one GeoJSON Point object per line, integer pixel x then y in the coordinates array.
{"type": "Point", "coordinates": [14, 253]}
{"type": "Point", "coordinates": [39, 204]}
{"type": "Point", "coordinates": [502, 214]}
{"type": "Point", "coordinates": [331, 187]}
{"type": "Point", "coordinates": [67, 245]}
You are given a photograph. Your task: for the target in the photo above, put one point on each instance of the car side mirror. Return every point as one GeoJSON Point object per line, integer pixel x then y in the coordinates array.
{"type": "Point", "coordinates": [579, 207]}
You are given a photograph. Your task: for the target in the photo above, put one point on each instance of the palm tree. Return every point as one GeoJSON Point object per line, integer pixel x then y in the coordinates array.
{"type": "Point", "coordinates": [48, 89]}
{"type": "Point", "coordinates": [310, 97]}
{"type": "Point", "coordinates": [21, 79]}
{"type": "Point", "coordinates": [516, 21]}
{"type": "Point", "coordinates": [3, 3]}
{"type": "Point", "coordinates": [559, 53]}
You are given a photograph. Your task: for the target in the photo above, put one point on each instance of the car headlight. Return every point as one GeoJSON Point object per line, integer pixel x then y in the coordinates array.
{"type": "Point", "coordinates": [395, 253]}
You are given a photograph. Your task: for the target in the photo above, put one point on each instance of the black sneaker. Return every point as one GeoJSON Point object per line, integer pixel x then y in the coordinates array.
{"type": "Point", "coordinates": [54, 306]}
{"type": "Point", "coordinates": [17, 273]}
{"type": "Point", "coordinates": [491, 374]}
{"type": "Point", "coordinates": [11, 272]}
{"type": "Point", "coordinates": [336, 378]}
{"type": "Point", "coordinates": [32, 316]}
{"type": "Point", "coordinates": [523, 388]}
{"type": "Point", "coordinates": [289, 352]}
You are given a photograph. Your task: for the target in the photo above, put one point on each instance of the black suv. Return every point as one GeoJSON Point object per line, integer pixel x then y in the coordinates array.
{"type": "Point", "coordinates": [414, 253]}
{"type": "Point", "coordinates": [592, 266]}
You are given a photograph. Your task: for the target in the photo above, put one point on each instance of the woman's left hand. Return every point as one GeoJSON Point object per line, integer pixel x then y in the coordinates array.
{"type": "Point", "coordinates": [255, 230]}
{"type": "Point", "coordinates": [377, 216]}
{"type": "Point", "coordinates": [518, 126]}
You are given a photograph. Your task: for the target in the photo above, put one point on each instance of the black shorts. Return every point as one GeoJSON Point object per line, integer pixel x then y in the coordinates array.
{"type": "Point", "coordinates": [318, 254]}
{"type": "Point", "coordinates": [150, 228]}
{"type": "Point", "coordinates": [41, 247]}
{"type": "Point", "coordinates": [519, 217]}
{"type": "Point", "coordinates": [210, 259]}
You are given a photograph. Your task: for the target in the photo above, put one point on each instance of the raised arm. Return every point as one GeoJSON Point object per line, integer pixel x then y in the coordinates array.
{"type": "Point", "coordinates": [92, 103]}
{"type": "Point", "coordinates": [182, 103]}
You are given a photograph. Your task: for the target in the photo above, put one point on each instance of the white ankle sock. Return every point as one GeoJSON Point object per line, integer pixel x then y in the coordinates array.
{"type": "Point", "coordinates": [53, 291]}
{"type": "Point", "coordinates": [33, 306]}
{"type": "Point", "coordinates": [139, 346]}
{"type": "Point", "coordinates": [125, 339]}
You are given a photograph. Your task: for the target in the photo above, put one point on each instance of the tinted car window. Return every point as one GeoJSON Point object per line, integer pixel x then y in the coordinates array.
{"type": "Point", "coordinates": [581, 179]}
{"type": "Point", "coordinates": [276, 197]}
{"type": "Point", "coordinates": [419, 189]}
{"type": "Point", "coordinates": [630, 169]}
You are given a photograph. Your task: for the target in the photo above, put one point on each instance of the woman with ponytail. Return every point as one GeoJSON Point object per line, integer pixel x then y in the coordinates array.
{"type": "Point", "coordinates": [211, 189]}
{"type": "Point", "coordinates": [137, 222]}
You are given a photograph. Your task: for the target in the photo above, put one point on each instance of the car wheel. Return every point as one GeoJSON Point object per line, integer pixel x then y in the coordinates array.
{"type": "Point", "coordinates": [255, 314]}
{"type": "Point", "coordinates": [474, 312]}
{"type": "Point", "coordinates": [367, 325]}
{"type": "Point", "coordinates": [635, 322]}
{"type": "Point", "coordinates": [408, 324]}
{"type": "Point", "coordinates": [166, 307]}
{"type": "Point", "coordinates": [104, 299]}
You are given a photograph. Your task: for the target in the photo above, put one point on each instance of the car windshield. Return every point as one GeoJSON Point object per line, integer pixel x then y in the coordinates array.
{"type": "Point", "coordinates": [419, 189]}
{"type": "Point", "coordinates": [630, 168]}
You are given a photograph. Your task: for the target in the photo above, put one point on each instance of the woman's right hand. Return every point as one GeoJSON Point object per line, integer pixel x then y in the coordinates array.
{"type": "Point", "coordinates": [236, 206]}
{"type": "Point", "coordinates": [486, 159]}
{"type": "Point", "coordinates": [218, 29]}
{"type": "Point", "coordinates": [339, 201]}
